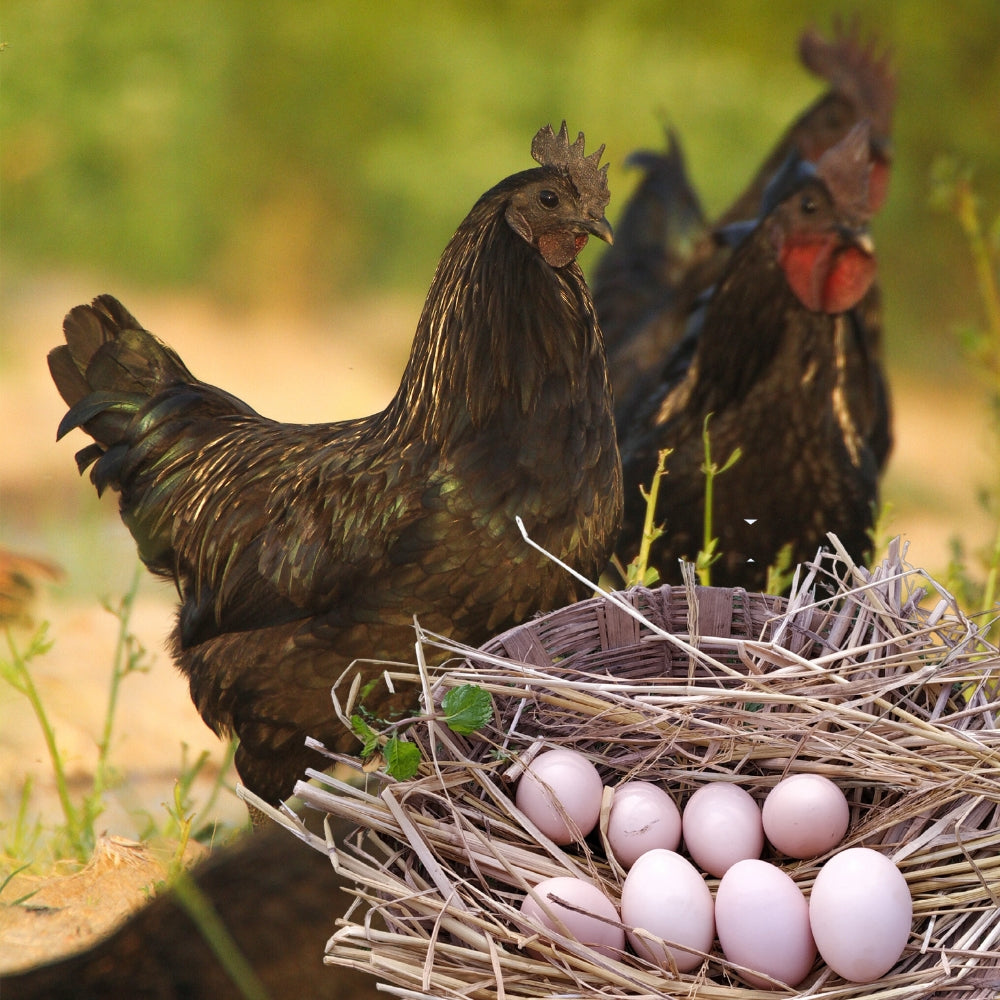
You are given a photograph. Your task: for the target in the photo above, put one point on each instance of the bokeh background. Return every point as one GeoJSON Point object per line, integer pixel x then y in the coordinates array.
{"type": "Point", "coordinates": [268, 187]}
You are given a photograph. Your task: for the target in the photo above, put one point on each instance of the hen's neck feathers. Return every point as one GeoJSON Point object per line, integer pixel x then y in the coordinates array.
{"type": "Point", "coordinates": [497, 323]}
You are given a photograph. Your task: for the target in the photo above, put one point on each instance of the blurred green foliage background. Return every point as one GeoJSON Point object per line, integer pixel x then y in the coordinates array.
{"type": "Point", "coordinates": [298, 152]}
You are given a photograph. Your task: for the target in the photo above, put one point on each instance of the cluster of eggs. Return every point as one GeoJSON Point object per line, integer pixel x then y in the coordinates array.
{"type": "Point", "coordinates": [857, 917]}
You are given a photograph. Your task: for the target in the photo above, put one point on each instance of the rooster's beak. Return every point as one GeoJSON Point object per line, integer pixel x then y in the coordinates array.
{"type": "Point", "coordinates": [600, 228]}
{"type": "Point", "coordinates": [862, 239]}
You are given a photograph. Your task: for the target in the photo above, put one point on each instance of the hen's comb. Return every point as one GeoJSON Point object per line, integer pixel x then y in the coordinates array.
{"type": "Point", "coordinates": [845, 170]}
{"type": "Point", "coordinates": [855, 68]}
{"type": "Point", "coordinates": [589, 179]}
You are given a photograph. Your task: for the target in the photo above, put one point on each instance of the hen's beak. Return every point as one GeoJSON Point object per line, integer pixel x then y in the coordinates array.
{"type": "Point", "coordinates": [600, 228]}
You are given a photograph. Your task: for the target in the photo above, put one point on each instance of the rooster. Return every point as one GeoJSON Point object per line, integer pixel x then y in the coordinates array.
{"type": "Point", "coordinates": [775, 360]}
{"type": "Point", "coordinates": [297, 549]}
{"type": "Point", "coordinates": [666, 252]}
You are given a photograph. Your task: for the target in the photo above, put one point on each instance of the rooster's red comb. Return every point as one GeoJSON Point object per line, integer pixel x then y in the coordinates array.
{"type": "Point", "coordinates": [855, 68]}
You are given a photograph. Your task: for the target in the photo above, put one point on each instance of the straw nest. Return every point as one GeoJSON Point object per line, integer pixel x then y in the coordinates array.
{"type": "Point", "coordinates": [872, 677]}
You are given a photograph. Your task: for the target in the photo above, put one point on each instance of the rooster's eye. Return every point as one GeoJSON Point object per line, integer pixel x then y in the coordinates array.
{"type": "Point", "coordinates": [549, 199]}
{"type": "Point", "coordinates": [808, 204]}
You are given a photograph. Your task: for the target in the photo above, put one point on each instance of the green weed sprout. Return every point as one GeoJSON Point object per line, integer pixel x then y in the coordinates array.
{"type": "Point", "coordinates": [639, 573]}
{"type": "Point", "coordinates": [709, 553]}
{"type": "Point", "coordinates": [77, 835]}
{"type": "Point", "coordinates": [79, 818]}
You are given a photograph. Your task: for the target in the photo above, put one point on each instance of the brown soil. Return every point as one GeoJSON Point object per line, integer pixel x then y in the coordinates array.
{"type": "Point", "coordinates": [62, 912]}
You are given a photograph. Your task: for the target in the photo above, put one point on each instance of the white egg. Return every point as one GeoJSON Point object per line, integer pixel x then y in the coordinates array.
{"type": "Point", "coordinates": [560, 792]}
{"type": "Point", "coordinates": [722, 825]}
{"type": "Point", "coordinates": [861, 911]}
{"type": "Point", "coordinates": [598, 927]}
{"type": "Point", "coordinates": [664, 894]}
{"type": "Point", "coordinates": [805, 815]}
{"type": "Point", "coordinates": [643, 816]}
{"type": "Point", "coordinates": [762, 920]}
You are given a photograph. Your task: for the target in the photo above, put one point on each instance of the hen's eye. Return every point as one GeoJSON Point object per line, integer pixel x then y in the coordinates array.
{"type": "Point", "coordinates": [549, 199]}
{"type": "Point", "coordinates": [808, 204]}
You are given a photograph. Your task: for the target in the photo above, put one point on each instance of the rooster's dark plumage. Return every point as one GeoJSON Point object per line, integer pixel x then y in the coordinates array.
{"type": "Point", "coordinates": [775, 358]}
{"type": "Point", "coordinates": [667, 253]}
{"type": "Point", "coordinates": [296, 549]}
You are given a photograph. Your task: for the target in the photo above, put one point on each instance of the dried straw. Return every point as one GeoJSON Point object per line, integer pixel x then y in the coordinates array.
{"type": "Point", "coordinates": [873, 678]}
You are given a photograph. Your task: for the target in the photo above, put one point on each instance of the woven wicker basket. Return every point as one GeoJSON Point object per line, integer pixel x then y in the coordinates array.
{"type": "Point", "coordinates": [876, 680]}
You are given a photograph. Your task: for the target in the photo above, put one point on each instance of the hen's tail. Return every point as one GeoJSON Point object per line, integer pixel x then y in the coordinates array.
{"type": "Point", "coordinates": [669, 220]}
{"type": "Point", "coordinates": [106, 371]}
{"type": "Point", "coordinates": [661, 227]}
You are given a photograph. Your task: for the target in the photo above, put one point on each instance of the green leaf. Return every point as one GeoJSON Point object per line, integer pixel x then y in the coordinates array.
{"type": "Point", "coordinates": [781, 571]}
{"type": "Point", "coordinates": [467, 708]}
{"type": "Point", "coordinates": [366, 734]}
{"type": "Point", "coordinates": [732, 460]}
{"type": "Point", "coordinates": [402, 758]}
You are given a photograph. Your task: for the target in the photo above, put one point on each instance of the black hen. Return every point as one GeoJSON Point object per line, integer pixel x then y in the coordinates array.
{"type": "Point", "coordinates": [296, 549]}
{"type": "Point", "coordinates": [775, 358]}
{"type": "Point", "coordinates": [666, 253]}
